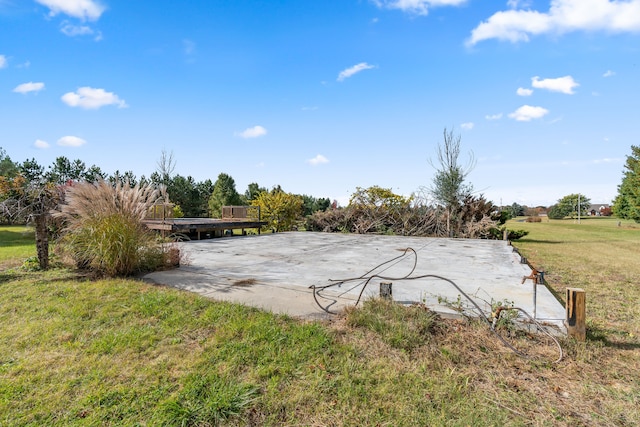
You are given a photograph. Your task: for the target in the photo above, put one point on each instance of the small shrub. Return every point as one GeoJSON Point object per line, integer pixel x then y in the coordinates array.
{"type": "Point", "coordinates": [516, 234]}
{"type": "Point", "coordinates": [507, 316]}
{"type": "Point", "coordinates": [177, 212]}
{"type": "Point", "coordinates": [33, 263]}
{"type": "Point", "coordinates": [534, 219]}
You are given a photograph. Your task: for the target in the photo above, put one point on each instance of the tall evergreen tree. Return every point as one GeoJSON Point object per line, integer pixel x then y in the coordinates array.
{"type": "Point", "coordinates": [627, 203]}
{"type": "Point", "coordinates": [224, 194]}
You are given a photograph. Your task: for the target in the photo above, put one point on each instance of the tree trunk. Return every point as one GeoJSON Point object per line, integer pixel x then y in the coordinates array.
{"type": "Point", "coordinates": [42, 240]}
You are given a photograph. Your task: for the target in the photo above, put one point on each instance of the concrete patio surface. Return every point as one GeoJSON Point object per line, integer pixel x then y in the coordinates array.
{"type": "Point", "coordinates": [275, 272]}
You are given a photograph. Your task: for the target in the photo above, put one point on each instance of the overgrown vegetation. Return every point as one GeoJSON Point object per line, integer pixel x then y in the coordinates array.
{"type": "Point", "coordinates": [402, 328]}
{"type": "Point", "coordinates": [120, 352]}
{"type": "Point", "coordinates": [379, 210]}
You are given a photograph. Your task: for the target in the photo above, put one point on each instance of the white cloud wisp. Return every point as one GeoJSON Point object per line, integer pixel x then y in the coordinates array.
{"type": "Point", "coordinates": [524, 92]}
{"type": "Point", "coordinates": [91, 99]}
{"type": "Point", "coordinates": [253, 132]}
{"type": "Point", "coordinates": [41, 144]}
{"type": "Point", "coordinates": [318, 160]}
{"type": "Point", "coordinates": [25, 88]}
{"type": "Point", "coordinates": [71, 141]}
{"type": "Point", "coordinates": [345, 74]}
{"type": "Point", "coordinates": [526, 113]}
{"type": "Point", "coordinates": [561, 84]}
{"type": "Point", "coordinates": [419, 7]}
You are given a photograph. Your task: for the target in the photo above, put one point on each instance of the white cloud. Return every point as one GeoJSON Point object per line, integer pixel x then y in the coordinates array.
{"type": "Point", "coordinates": [345, 74]}
{"type": "Point", "coordinates": [29, 87]}
{"type": "Point", "coordinates": [72, 30]}
{"type": "Point", "coordinates": [524, 92]}
{"type": "Point", "coordinates": [519, 4]}
{"type": "Point", "coordinates": [607, 160]}
{"type": "Point", "coordinates": [253, 132]}
{"type": "Point", "coordinates": [41, 144]}
{"type": "Point", "coordinates": [467, 126]}
{"type": "Point", "coordinates": [90, 98]}
{"type": "Point", "coordinates": [561, 84]}
{"type": "Point", "coordinates": [564, 16]}
{"type": "Point", "coordinates": [75, 30]}
{"type": "Point", "coordinates": [609, 73]}
{"type": "Point", "coordinates": [527, 113]}
{"type": "Point", "coordinates": [493, 116]}
{"type": "Point", "coordinates": [82, 9]}
{"type": "Point", "coordinates": [71, 141]}
{"type": "Point", "coordinates": [317, 160]}
{"type": "Point", "coordinates": [3, 61]}
{"type": "Point", "coordinates": [420, 7]}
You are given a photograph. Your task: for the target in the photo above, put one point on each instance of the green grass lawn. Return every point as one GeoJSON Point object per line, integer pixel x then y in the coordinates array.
{"type": "Point", "coordinates": [75, 351]}
{"type": "Point", "coordinates": [16, 244]}
{"type": "Point", "coordinates": [597, 255]}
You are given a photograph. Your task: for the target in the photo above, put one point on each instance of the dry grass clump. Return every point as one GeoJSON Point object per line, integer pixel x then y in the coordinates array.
{"type": "Point", "coordinates": [400, 327]}
{"type": "Point", "coordinates": [103, 229]}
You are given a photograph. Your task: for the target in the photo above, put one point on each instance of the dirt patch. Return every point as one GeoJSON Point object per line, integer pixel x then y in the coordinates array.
{"type": "Point", "coordinates": [245, 282]}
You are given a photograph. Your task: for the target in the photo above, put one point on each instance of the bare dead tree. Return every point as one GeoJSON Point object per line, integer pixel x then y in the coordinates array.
{"type": "Point", "coordinates": [165, 166]}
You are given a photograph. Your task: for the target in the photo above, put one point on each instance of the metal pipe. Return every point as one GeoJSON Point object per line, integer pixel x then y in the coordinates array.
{"type": "Point", "coordinates": [535, 296]}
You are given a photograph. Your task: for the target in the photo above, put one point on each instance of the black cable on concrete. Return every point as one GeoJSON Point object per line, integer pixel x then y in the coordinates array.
{"type": "Point", "coordinates": [317, 289]}
{"type": "Point", "coordinates": [535, 322]}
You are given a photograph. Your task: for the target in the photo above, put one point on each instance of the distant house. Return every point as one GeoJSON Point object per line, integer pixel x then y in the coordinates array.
{"type": "Point", "coordinates": [599, 209]}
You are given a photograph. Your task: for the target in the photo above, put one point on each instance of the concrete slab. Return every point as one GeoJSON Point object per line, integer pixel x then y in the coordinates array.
{"type": "Point", "coordinates": [275, 271]}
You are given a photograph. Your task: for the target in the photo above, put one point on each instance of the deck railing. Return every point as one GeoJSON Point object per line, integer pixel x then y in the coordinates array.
{"type": "Point", "coordinates": [241, 212]}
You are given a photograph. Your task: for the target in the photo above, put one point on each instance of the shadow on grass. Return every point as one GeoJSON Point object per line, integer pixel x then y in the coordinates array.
{"type": "Point", "coordinates": [53, 275]}
{"type": "Point", "coordinates": [16, 238]}
{"type": "Point", "coordinates": [603, 336]}
{"type": "Point", "coordinates": [9, 276]}
{"type": "Point", "coordinates": [553, 242]}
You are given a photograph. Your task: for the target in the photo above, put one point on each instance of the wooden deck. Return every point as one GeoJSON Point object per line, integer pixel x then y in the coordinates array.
{"type": "Point", "coordinates": [201, 227]}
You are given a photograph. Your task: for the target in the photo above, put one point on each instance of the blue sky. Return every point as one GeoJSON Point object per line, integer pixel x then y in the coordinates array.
{"type": "Point", "coordinates": [322, 97]}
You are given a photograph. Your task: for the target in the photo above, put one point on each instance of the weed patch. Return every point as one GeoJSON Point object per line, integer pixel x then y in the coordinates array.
{"type": "Point", "coordinates": [403, 328]}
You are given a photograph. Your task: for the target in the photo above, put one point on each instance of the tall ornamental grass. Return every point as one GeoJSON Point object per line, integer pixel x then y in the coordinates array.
{"type": "Point", "coordinates": [102, 227]}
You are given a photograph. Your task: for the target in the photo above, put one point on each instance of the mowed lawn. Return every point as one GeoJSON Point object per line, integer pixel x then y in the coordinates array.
{"type": "Point", "coordinates": [85, 352]}
{"type": "Point", "coordinates": [16, 244]}
{"type": "Point", "coordinates": [599, 255]}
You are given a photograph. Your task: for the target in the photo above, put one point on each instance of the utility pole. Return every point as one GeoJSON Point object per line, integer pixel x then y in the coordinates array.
{"type": "Point", "coordinates": [579, 208]}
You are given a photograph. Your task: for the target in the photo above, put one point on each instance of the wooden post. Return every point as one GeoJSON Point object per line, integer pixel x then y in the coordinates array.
{"type": "Point", "coordinates": [386, 291]}
{"type": "Point", "coordinates": [576, 313]}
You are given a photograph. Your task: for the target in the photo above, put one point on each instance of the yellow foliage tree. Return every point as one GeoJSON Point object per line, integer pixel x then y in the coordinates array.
{"type": "Point", "coordinates": [279, 209]}
{"type": "Point", "coordinates": [378, 197]}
